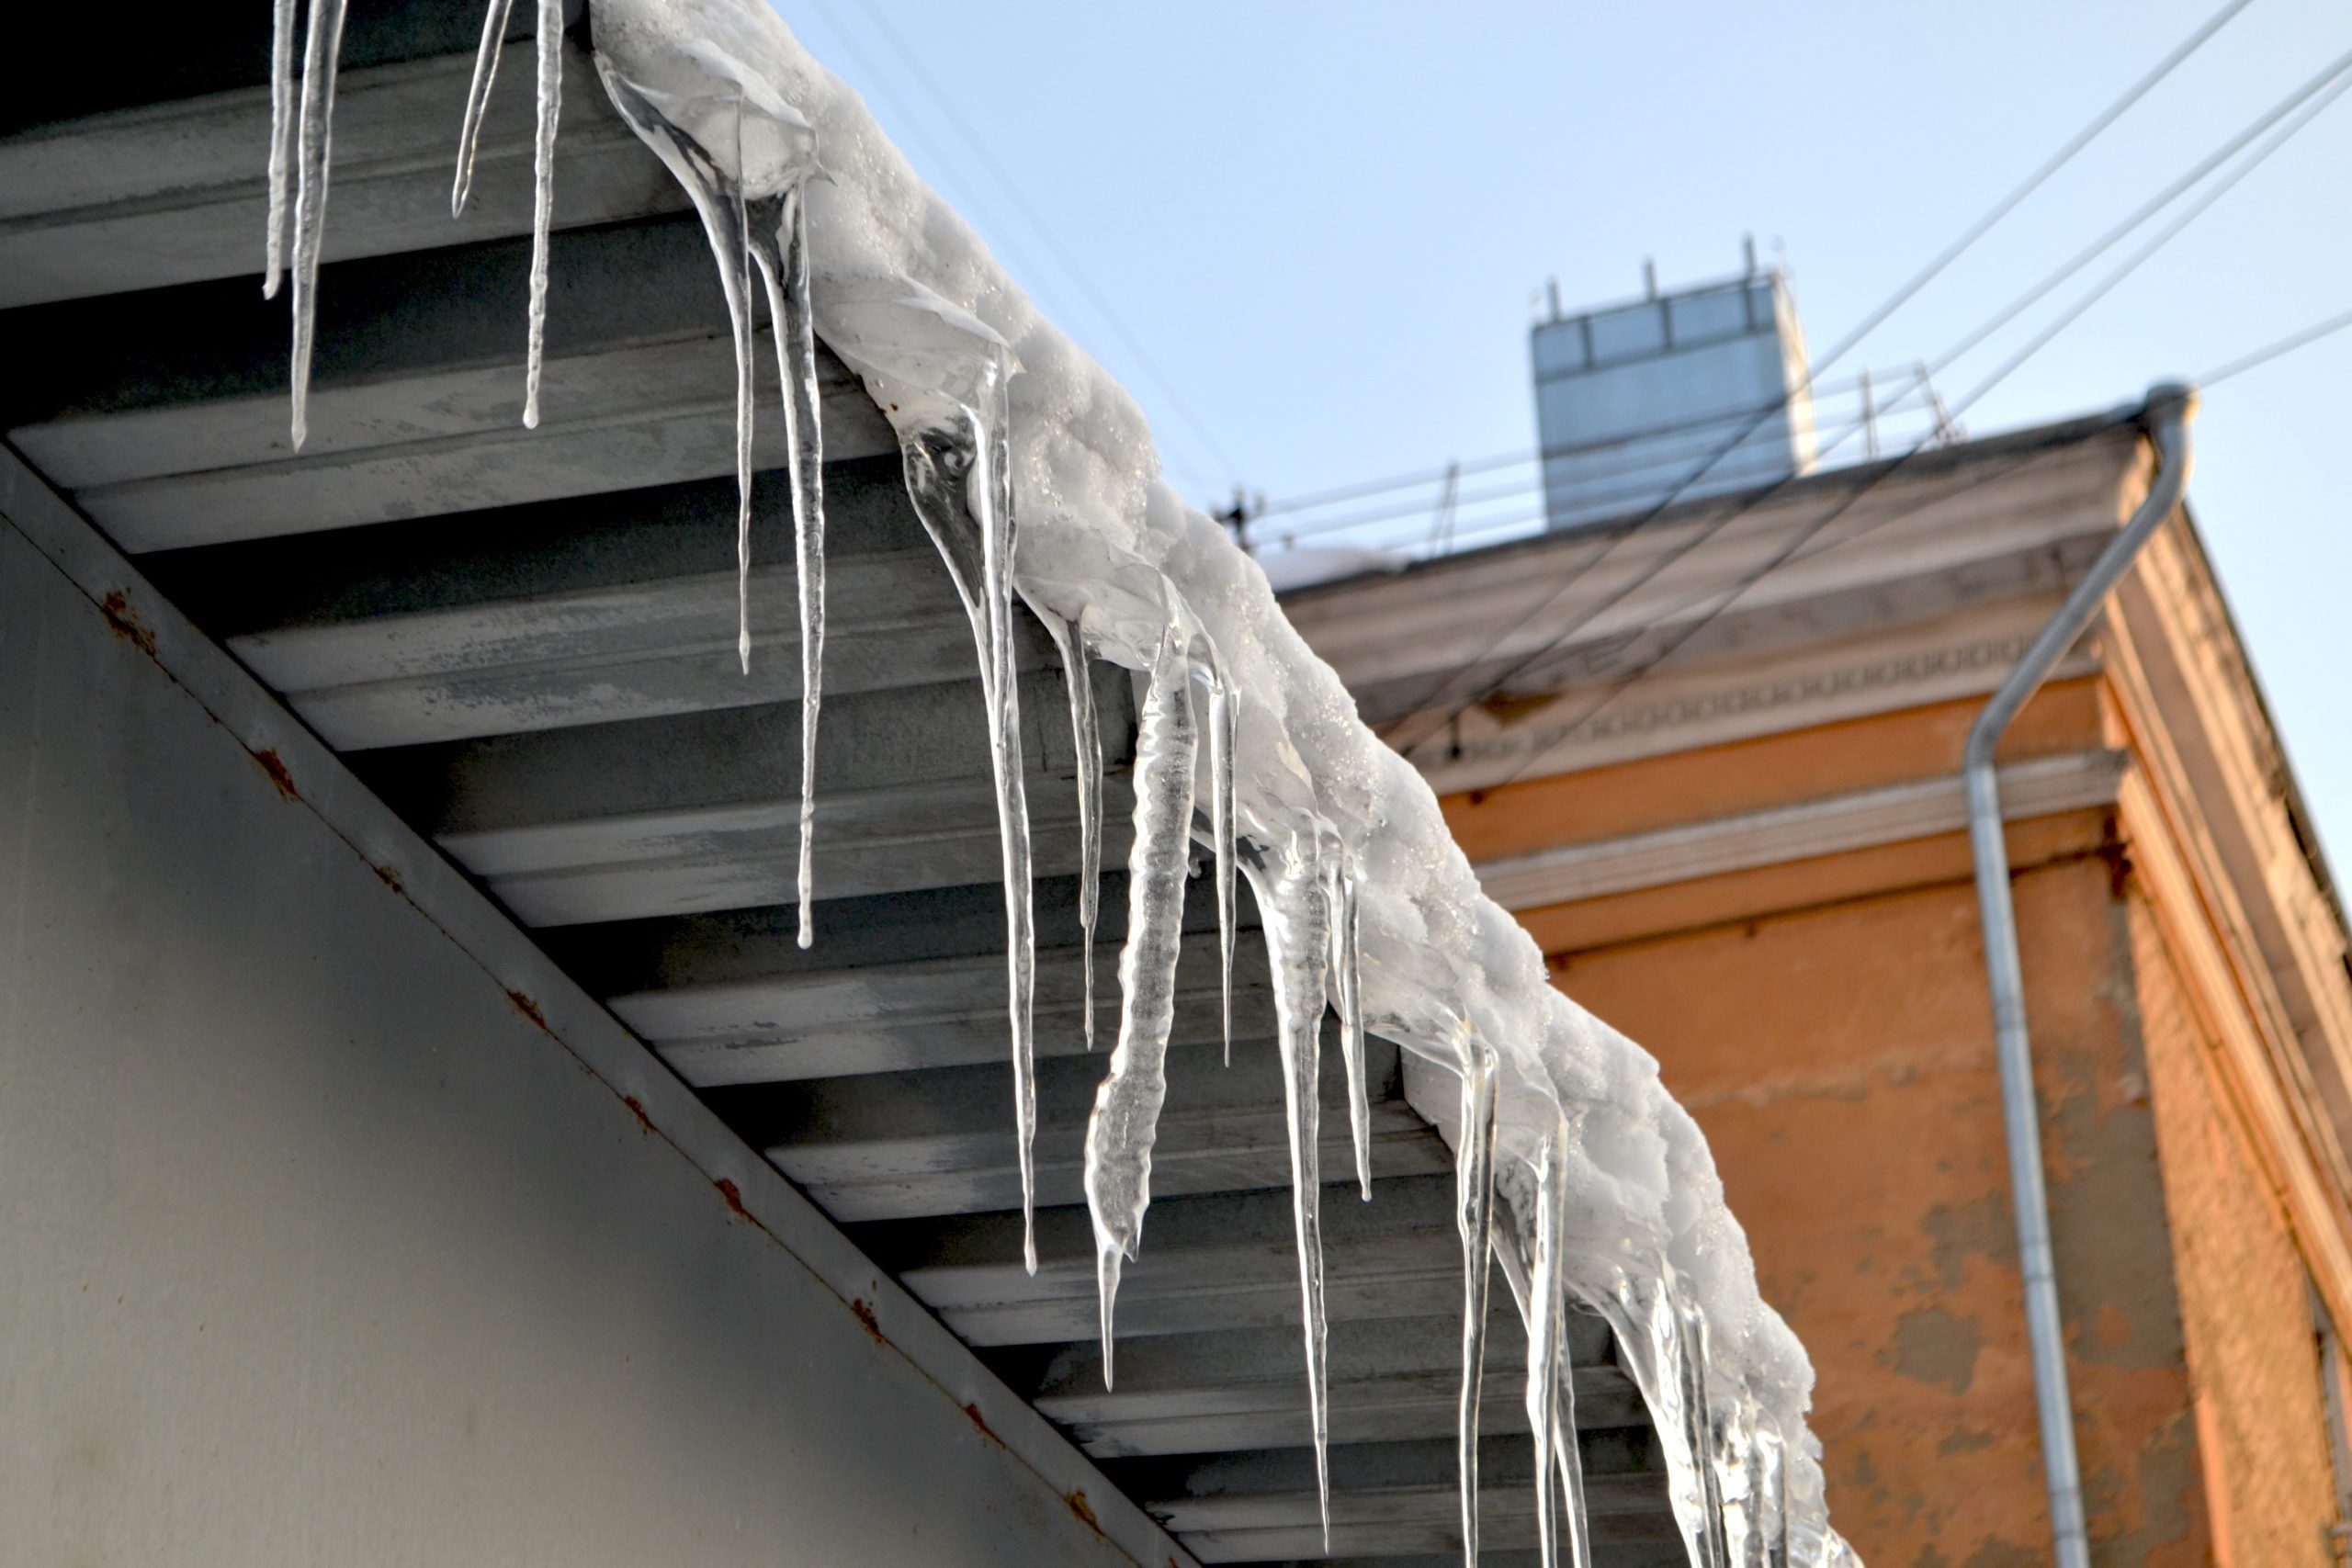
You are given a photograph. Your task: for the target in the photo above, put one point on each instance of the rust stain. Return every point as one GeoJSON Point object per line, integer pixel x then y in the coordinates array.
{"type": "Point", "coordinates": [117, 608]}
{"type": "Point", "coordinates": [389, 877]}
{"type": "Point", "coordinates": [1083, 1510]}
{"type": "Point", "coordinates": [981, 1422]}
{"type": "Point", "coordinates": [529, 1008]}
{"type": "Point", "coordinates": [636, 1108]}
{"type": "Point", "coordinates": [862, 1309]}
{"type": "Point", "coordinates": [274, 766]}
{"type": "Point", "coordinates": [733, 1194]}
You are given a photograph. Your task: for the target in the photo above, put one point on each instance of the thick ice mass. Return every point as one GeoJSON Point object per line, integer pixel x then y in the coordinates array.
{"type": "Point", "coordinates": [1035, 476]}
{"type": "Point", "coordinates": [1126, 1109]}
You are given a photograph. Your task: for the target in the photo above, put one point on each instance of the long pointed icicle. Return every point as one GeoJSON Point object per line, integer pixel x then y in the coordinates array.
{"type": "Point", "coordinates": [1342, 875]}
{"type": "Point", "coordinates": [726, 223]}
{"type": "Point", "coordinates": [739, 262]}
{"type": "Point", "coordinates": [1224, 714]}
{"type": "Point", "coordinates": [1296, 914]}
{"type": "Point", "coordinates": [550, 63]}
{"type": "Point", "coordinates": [493, 41]}
{"type": "Point", "coordinates": [1086, 738]}
{"type": "Point", "coordinates": [1126, 1108]}
{"type": "Point", "coordinates": [958, 490]}
{"type": "Point", "coordinates": [1650, 1330]}
{"type": "Point", "coordinates": [990, 499]}
{"type": "Point", "coordinates": [281, 141]}
{"type": "Point", "coordinates": [315, 143]}
{"type": "Point", "coordinates": [1568, 1457]}
{"type": "Point", "coordinates": [1543, 1326]}
{"type": "Point", "coordinates": [783, 255]}
{"type": "Point", "coordinates": [1691, 1327]}
{"type": "Point", "coordinates": [1474, 1189]}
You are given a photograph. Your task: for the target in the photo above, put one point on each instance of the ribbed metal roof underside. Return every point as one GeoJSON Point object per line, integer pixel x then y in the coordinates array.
{"type": "Point", "coordinates": [523, 640]}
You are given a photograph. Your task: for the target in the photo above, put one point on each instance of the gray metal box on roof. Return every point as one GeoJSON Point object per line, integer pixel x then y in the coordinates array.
{"type": "Point", "coordinates": [1635, 400]}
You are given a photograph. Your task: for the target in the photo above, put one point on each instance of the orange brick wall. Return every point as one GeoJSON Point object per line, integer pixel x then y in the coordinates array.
{"type": "Point", "coordinates": [2251, 1360]}
{"type": "Point", "coordinates": [1839, 1058]}
{"type": "Point", "coordinates": [1826, 1020]}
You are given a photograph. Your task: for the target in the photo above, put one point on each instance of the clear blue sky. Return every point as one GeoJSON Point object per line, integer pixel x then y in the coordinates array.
{"type": "Point", "coordinates": [1325, 224]}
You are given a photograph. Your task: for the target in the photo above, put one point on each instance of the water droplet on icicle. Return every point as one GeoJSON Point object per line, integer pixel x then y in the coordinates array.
{"type": "Point", "coordinates": [1126, 1107]}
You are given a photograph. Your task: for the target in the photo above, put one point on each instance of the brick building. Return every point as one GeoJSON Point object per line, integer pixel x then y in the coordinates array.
{"type": "Point", "coordinates": [1733, 817]}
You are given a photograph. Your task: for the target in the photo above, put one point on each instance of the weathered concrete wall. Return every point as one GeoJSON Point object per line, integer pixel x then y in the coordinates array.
{"type": "Point", "coordinates": [2252, 1361]}
{"type": "Point", "coordinates": [323, 1248]}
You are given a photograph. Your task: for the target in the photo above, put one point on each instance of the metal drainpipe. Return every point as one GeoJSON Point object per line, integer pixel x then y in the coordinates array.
{"type": "Point", "coordinates": [2166, 417]}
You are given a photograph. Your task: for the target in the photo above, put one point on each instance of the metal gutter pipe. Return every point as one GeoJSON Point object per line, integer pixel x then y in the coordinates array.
{"type": "Point", "coordinates": [2164, 416]}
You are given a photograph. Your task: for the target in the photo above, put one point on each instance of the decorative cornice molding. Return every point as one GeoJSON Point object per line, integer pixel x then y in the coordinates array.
{"type": "Point", "coordinates": [1961, 656]}
{"type": "Point", "coordinates": [1863, 819]}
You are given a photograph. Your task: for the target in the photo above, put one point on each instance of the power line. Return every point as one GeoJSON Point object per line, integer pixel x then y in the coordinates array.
{"type": "Point", "coordinates": [1780, 557]}
{"type": "Point", "coordinates": [1422, 479]}
{"type": "Point", "coordinates": [1968, 237]}
{"type": "Point", "coordinates": [2041, 339]}
{"type": "Point", "coordinates": [1046, 233]}
{"type": "Point", "coordinates": [2196, 209]}
{"type": "Point", "coordinates": [2041, 176]}
{"type": "Point", "coordinates": [2335, 73]}
{"type": "Point", "coordinates": [2270, 352]}
{"type": "Point", "coordinates": [2310, 110]}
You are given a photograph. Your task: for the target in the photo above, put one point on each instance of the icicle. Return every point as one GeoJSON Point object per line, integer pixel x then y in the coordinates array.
{"type": "Point", "coordinates": [1474, 1189]}
{"type": "Point", "coordinates": [1742, 1482]}
{"type": "Point", "coordinates": [991, 499]}
{"type": "Point", "coordinates": [960, 482]}
{"type": "Point", "coordinates": [550, 42]}
{"type": "Point", "coordinates": [281, 141]}
{"type": "Point", "coordinates": [493, 41]}
{"type": "Point", "coordinates": [1298, 920]}
{"type": "Point", "coordinates": [1651, 1330]}
{"type": "Point", "coordinates": [1340, 871]}
{"type": "Point", "coordinates": [1224, 711]}
{"type": "Point", "coordinates": [781, 247]}
{"type": "Point", "coordinates": [1770, 1491]}
{"type": "Point", "coordinates": [719, 203]}
{"type": "Point", "coordinates": [771, 231]}
{"type": "Point", "coordinates": [320, 48]}
{"type": "Point", "coordinates": [1126, 1108]}
{"type": "Point", "coordinates": [1086, 737]}
{"type": "Point", "coordinates": [1698, 1414]}
{"type": "Point", "coordinates": [1567, 1453]}
{"type": "Point", "coordinates": [1543, 1326]}
{"type": "Point", "coordinates": [718, 200]}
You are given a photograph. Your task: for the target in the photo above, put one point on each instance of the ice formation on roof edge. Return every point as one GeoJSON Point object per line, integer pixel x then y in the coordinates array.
{"type": "Point", "coordinates": [1367, 902]}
